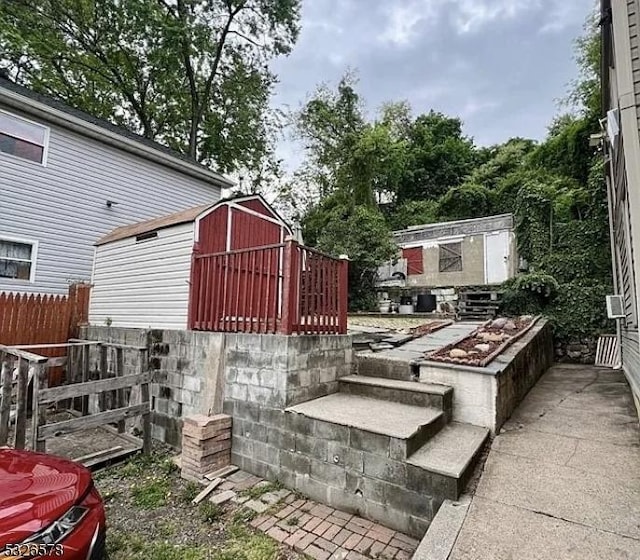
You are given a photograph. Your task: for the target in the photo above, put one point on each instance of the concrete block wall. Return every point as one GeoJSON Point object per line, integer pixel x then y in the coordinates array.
{"type": "Point", "coordinates": [344, 467]}
{"type": "Point", "coordinates": [187, 369]}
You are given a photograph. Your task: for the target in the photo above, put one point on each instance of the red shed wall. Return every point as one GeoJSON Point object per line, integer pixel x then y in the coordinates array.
{"type": "Point", "coordinates": [257, 206]}
{"type": "Point", "coordinates": [212, 233]}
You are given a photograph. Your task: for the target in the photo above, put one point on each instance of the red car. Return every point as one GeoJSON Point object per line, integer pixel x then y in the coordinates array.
{"type": "Point", "coordinates": [49, 507]}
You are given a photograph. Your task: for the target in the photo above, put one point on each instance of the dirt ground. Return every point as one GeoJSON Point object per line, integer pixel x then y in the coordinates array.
{"type": "Point", "coordinates": [150, 517]}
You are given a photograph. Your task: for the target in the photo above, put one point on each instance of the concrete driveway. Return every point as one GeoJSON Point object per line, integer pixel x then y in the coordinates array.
{"type": "Point", "coordinates": [562, 480]}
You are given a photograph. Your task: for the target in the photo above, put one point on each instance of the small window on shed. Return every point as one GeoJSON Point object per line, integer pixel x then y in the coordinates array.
{"type": "Point", "coordinates": [414, 260]}
{"type": "Point", "coordinates": [451, 257]}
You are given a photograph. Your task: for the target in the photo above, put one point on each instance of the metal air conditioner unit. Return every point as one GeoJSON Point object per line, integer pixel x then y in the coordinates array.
{"type": "Point", "coordinates": [615, 307]}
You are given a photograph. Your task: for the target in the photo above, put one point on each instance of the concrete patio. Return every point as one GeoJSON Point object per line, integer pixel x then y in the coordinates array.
{"type": "Point", "coordinates": [562, 480]}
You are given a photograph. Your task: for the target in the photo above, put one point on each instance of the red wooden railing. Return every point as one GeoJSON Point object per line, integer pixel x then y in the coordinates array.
{"type": "Point", "coordinates": [285, 288]}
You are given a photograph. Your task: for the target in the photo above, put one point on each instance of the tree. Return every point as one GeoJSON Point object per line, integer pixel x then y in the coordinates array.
{"type": "Point", "coordinates": [337, 226]}
{"type": "Point", "coordinates": [440, 157]}
{"type": "Point", "coordinates": [190, 74]}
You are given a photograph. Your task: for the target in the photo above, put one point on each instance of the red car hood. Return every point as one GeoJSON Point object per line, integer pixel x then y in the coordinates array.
{"type": "Point", "coordinates": [35, 490]}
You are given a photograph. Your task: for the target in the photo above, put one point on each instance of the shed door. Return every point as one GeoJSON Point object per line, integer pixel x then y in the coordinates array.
{"type": "Point", "coordinates": [496, 255]}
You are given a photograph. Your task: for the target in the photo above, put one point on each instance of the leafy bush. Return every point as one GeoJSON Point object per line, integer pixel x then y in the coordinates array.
{"type": "Point", "coordinates": [209, 512]}
{"type": "Point", "coordinates": [540, 285]}
{"type": "Point", "coordinates": [466, 201]}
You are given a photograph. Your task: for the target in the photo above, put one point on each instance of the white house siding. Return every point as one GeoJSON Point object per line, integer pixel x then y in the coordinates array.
{"type": "Point", "coordinates": [63, 205]}
{"type": "Point", "coordinates": [143, 284]}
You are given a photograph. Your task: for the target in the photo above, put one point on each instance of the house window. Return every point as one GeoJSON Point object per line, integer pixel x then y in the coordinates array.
{"type": "Point", "coordinates": [414, 260]}
{"type": "Point", "coordinates": [451, 257]}
{"type": "Point", "coordinates": [17, 259]}
{"type": "Point", "coordinates": [22, 138]}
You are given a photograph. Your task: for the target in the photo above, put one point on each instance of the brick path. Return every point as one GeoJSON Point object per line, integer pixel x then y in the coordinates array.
{"type": "Point", "coordinates": [323, 532]}
{"type": "Point", "coordinates": [314, 529]}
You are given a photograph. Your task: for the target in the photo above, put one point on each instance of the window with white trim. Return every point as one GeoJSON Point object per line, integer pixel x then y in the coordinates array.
{"type": "Point", "coordinates": [22, 138]}
{"type": "Point", "coordinates": [17, 259]}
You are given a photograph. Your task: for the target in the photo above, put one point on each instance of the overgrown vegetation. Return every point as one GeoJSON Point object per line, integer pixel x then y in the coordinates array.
{"type": "Point", "coordinates": [362, 179]}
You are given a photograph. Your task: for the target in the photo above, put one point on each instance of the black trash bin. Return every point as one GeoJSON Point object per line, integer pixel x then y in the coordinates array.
{"type": "Point", "coordinates": [426, 303]}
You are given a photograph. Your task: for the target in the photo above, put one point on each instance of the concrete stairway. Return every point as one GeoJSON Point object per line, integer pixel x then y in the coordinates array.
{"type": "Point", "coordinates": [412, 456]}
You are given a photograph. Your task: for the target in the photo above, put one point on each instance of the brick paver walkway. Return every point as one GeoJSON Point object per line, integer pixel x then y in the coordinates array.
{"type": "Point", "coordinates": [323, 532]}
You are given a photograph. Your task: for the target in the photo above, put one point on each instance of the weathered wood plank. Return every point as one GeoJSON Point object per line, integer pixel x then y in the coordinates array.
{"type": "Point", "coordinates": [210, 488]}
{"type": "Point", "coordinates": [28, 356]}
{"type": "Point", "coordinates": [6, 381]}
{"type": "Point", "coordinates": [120, 392]}
{"type": "Point", "coordinates": [221, 473]}
{"type": "Point", "coordinates": [54, 394]}
{"type": "Point", "coordinates": [145, 396]}
{"type": "Point", "coordinates": [109, 344]}
{"type": "Point", "coordinates": [39, 409]}
{"type": "Point", "coordinates": [92, 421]}
{"type": "Point", "coordinates": [21, 406]}
{"type": "Point", "coordinates": [56, 362]}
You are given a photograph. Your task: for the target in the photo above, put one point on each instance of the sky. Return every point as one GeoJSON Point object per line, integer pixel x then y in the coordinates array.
{"type": "Point", "coordinates": [500, 65]}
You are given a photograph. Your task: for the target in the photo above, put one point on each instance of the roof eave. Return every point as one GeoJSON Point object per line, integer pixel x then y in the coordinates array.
{"type": "Point", "coordinates": [60, 118]}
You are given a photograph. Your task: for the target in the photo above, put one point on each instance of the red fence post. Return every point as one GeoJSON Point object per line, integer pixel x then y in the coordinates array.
{"type": "Point", "coordinates": [288, 283]}
{"type": "Point", "coordinates": [343, 293]}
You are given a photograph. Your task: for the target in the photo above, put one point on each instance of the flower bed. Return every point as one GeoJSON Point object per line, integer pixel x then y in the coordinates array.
{"type": "Point", "coordinates": [484, 344]}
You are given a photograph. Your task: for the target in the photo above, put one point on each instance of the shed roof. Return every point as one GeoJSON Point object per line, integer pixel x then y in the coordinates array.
{"type": "Point", "coordinates": [182, 217]}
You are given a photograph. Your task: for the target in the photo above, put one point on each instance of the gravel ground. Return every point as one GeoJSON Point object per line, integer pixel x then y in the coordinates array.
{"type": "Point", "coordinates": [389, 323]}
{"type": "Point", "coordinates": [150, 517]}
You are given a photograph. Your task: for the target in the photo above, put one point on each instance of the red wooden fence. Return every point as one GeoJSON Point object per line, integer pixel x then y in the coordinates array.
{"type": "Point", "coordinates": [27, 320]}
{"type": "Point", "coordinates": [284, 288]}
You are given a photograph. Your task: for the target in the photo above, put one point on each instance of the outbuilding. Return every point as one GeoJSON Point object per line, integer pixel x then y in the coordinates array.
{"type": "Point", "coordinates": [143, 274]}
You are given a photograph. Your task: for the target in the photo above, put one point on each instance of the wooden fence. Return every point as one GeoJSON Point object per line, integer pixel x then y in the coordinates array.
{"type": "Point", "coordinates": [284, 288]}
{"type": "Point", "coordinates": [27, 319]}
{"type": "Point", "coordinates": [97, 396]}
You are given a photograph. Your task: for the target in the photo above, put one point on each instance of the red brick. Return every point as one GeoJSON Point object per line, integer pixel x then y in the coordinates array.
{"type": "Point", "coordinates": [342, 536]}
{"type": "Point", "coordinates": [294, 539]}
{"type": "Point", "coordinates": [321, 511]}
{"type": "Point", "coordinates": [337, 521]}
{"type": "Point", "coordinates": [355, 556]}
{"type": "Point", "coordinates": [320, 529]}
{"type": "Point", "coordinates": [342, 515]}
{"type": "Point", "coordinates": [397, 543]}
{"type": "Point", "coordinates": [403, 555]}
{"type": "Point", "coordinates": [316, 552]}
{"type": "Point", "coordinates": [357, 528]}
{"type": "Point", "coordinates": [285, 511]}
{"type": "Point", "coordinates": [331, 532]}
{"type": "Point", "coordinates": [352, 542]}
{"type": "Point", "coordinates": [304, 542]}
{"type": "Point", "coordinates": [268, 524]}
{"type": "Point", "coordinates": [308, 505]}
{"type": "Point", "coordinates": [339, 554]}
{"type": "Point", "coordinates": [364, 545]}
{"type": "Point", "coordinates": [362, 522]}
{"type": "Point", "coordinates": [324, 544]}
{"type": "Point", "coordinates": [389, 552]}
{"type": "Point", "coordinates": [312, 524]}
{"type": "Point", "coordinates": [298, 503]}
{"type": "Point", "coordinates": [286, 527]}
{"type": "Point", "coordinates": [278, 534]}
{"type": "Point", "coordinates": [382, 537]}
{"type": "Point", "coordinates": [376, 549]}
{"type": "Point", "coordinates": [290, 499]}
{"type": "Point", "coordinates": [256, 522]}
{"type": "Point", "coordinates": [303, 518]}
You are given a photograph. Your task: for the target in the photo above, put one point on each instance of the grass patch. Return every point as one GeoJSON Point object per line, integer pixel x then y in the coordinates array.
{"type": "Point", "coordinates": [256, 491]}
{"type": "Point", "coordinates": [129, 546]}
{"type": "Point", "coordinates": [293, 521]}
{"type": "Point", "coordinates": [151, 494]}
{"type": "Point", "coordinates": [209, 512]}
{"type": "Point", "coordinates": [244, 515]}
{"type": "Point", "coordinates": [190, 491]}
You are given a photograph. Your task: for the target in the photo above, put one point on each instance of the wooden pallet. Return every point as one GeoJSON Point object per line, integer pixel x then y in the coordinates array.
{"type": "Point", "coordinates": [479, 305]}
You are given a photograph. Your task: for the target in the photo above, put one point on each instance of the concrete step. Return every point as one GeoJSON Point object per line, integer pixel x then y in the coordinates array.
{"type": "Point", "coordinates": [402, 428]}
{"type": "Point", "coordinates": [405, 392]}
{"type": "Point", "coordinates": [449, 457]}
{"type": "Point", "coordinates": [373, 365]}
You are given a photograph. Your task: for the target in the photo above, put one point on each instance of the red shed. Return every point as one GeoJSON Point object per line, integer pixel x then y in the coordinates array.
{"type": "Point", "coordinates": [232, 266]}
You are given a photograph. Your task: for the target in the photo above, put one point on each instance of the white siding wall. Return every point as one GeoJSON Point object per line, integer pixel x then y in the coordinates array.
{"type": "Point", "coordinates": [63, 205]}
{"type": "Point", "coordinates": [143, 284]}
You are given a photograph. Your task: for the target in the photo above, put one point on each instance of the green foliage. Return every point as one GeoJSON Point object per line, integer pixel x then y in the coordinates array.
{"type": "Point", "coordinates": [190, 491]}
{"type": "Point", "coordinates": [152, 493]}
{"type": "Point", "coordinates": [466, 201]}
{"type": "Point", "coordinates": [209, 512]}
{"type": "Point", "coordinates": [542, 286]}
{"type": "Point", "coordinates": [256, 491]}
{"type": "Point", "coordinates": [130, 546]}
{"type": "Point", "coordinates": [192, 75]}
{"type": "Point", "coordinates": [413, 213]}
{"type": "Point", "coordinates": [338, 227]}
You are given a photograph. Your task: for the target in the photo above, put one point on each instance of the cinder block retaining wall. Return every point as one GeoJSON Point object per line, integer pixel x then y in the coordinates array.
{"type": "Point", "coordinates": [344, 467]}
{"type": "Point", "coordinates": [488, 396]}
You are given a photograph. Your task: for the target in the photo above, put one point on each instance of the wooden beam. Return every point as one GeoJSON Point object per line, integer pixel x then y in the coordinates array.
{"type": "Point", "coordinates": [53, 394]}
{"type": "Point", "coordinates": [29, 356]}
{"type": "Point", "coordinates": [21, 408]}
{"type": "Point", "coordinates": [92, 421]}
{"type": "Point", "coordinates": [6, 380]}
